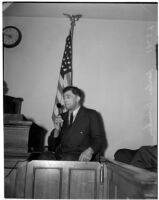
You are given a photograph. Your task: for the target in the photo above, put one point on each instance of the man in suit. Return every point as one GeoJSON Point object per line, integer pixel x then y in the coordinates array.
{"type": "Point", "coordinates": [77, 133]}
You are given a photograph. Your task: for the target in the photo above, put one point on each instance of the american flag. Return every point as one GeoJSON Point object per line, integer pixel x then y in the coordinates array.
{"type": "Point", "coordinates": [65, 77]}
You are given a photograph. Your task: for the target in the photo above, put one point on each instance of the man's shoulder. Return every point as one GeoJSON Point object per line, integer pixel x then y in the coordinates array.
{"type": "Point", "coordinates": [89, 110]}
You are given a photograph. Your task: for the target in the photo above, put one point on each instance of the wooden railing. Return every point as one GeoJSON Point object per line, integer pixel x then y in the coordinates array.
{"type": "Point", "coordinates": [129, 182]}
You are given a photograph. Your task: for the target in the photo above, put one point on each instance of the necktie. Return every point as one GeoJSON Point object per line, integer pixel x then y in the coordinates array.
{"type": "Point", "coordinates": [71, 119]}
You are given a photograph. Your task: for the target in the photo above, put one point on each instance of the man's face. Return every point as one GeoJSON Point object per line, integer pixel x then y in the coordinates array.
{"type": "Point", "coordinates": [71, 100]}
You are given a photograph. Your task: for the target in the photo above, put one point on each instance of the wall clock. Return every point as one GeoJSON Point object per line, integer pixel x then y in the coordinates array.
{"type": "Point", "coordinates": [11, 36]}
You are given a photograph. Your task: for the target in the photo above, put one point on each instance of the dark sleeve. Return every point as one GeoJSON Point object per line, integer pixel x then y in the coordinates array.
{"type": "Point", "coordinates": [53, 142]}
{"type": "Point", "coordinates": [146, 158]}
{"type": "Point", "coordinates": [96, 137]}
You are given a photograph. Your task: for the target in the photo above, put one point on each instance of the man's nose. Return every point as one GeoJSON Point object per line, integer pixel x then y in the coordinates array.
{"type": "Point", "coordinates": [65, 101]}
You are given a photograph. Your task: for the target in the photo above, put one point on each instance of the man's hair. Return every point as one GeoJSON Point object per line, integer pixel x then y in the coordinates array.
{"type": "Point", "coordinates": [75, 91]}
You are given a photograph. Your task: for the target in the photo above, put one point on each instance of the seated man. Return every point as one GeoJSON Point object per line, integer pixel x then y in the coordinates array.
{"type": "Point", "coordinates": [145, 157]}
{"type": "Point", "coordinates": [77, 133]}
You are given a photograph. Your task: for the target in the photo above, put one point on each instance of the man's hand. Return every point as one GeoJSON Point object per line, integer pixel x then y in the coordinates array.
{"type": "Point", "coordinates": [86, 155]}
{"type": "Point", "coordinates": [58, 124]}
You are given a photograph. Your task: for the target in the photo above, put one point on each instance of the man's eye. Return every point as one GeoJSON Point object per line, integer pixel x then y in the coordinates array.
{"type": "Point", "coordinates": [67, 97]}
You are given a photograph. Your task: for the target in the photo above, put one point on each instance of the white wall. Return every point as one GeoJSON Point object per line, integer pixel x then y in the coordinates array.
{"type": "Point", "coordinates": [113, 62]}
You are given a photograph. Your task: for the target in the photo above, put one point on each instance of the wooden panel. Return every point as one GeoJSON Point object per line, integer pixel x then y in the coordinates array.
{"type": "Point", "coordinates": [16, 138]}
{"type": "Point", "coordinates": [10, 180]}
{"type": "Point", "coordinates": [43, 180]}
{"type": "Point", "coordinates": [124, 188]}
{"type": "Point", "coordinates": [83, 184]}
{"type": "Point", "coordinates": [127, 181]}
{"type": "Point", "coordinates": [111, 187]}
{"type": "Point", "coordinates": [47, 183]}
{"type": "Point", "coordinates": [15, 172]}
{"type": "Point", "coordinates": [64, 179]}
{"type": "Point", "coordinates": [20, 179]}
{"type": "Point", "coordinates": [12, 117]}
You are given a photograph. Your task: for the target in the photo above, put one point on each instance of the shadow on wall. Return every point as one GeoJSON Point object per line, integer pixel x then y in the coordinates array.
{"type": "Point", "coordinates": [36, 136]}
{"type": "Point", "coordinates": [5, 87]}
{"type": "Point", "coordinates": [103, 133]}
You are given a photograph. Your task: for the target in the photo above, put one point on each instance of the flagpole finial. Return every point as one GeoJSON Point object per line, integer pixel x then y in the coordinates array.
{"type": "Point", "coordinates": [73, 18]}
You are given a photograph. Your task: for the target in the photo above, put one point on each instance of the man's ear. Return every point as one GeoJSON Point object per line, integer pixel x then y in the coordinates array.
{"type": "Point", "coordinates": [78, 99]}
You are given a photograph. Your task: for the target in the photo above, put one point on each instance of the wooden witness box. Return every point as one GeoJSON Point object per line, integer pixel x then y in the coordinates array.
{"type": "Point", "coordinates": [82, 180]}
{"type": "Point", "coordinates": [16, 134]}
{"type": "Point", "coordinates": [16, 131]}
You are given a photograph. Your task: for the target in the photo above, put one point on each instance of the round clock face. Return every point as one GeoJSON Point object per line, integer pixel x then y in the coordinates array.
{"type": "Point", "coordinates": [11, 36]}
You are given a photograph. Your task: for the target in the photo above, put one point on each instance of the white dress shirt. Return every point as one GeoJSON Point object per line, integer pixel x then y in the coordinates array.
{"type": "Point", "coordinates": [74, 114]}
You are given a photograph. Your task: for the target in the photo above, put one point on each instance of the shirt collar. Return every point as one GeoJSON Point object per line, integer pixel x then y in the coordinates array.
{"type": "Point", "coordinates": [75, 112]}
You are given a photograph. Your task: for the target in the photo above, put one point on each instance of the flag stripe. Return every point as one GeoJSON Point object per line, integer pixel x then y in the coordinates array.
{"type": "Point", "coordinates": [68, 78]}
{"type": "Point", "coordinates": [60, 88]}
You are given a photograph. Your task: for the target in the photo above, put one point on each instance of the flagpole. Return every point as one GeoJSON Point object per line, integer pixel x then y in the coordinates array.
{"type": "Point", "coordinates": [73, 19]}
{"type": "Point", "coordinates": [66, 75]}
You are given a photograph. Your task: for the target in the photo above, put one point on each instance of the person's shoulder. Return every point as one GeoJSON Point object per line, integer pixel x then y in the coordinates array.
{"type": "Point", "coordinates": [90, 110]}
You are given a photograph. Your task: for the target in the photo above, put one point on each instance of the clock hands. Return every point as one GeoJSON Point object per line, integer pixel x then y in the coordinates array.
{"type": "Point", "coordinates": [8, 35]}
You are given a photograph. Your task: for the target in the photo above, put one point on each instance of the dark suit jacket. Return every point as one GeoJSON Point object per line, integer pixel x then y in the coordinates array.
{"type": "Point", "coordinates": [85, 132]}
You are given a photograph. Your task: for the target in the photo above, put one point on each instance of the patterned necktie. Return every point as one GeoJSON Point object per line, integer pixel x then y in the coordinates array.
{"type": "Point", "coordinates": [71, 119]}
